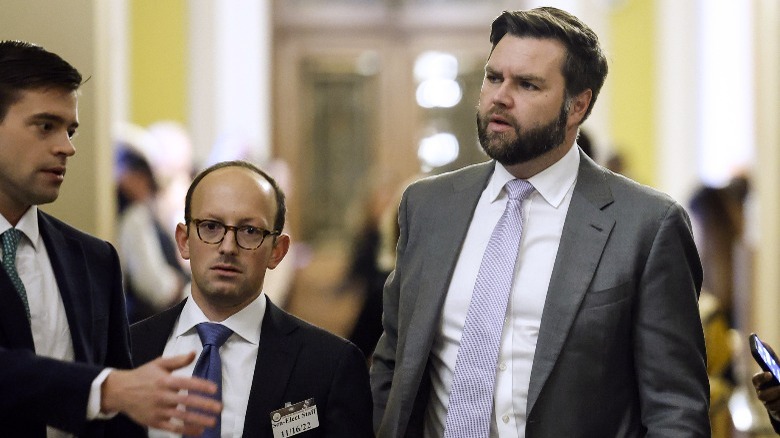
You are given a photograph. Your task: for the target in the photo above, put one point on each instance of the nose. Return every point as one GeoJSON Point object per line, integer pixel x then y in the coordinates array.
{"type": "Point", "coordinates": [502, 96]}
{"type": "Point", "coordinates": [229, 245]}
{"type": "Point", "coordinates": [64, 146]}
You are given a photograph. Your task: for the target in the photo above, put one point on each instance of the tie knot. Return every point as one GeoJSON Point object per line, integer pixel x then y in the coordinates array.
{"type": "Point", "coordinates": [519, 189]}
{"type": "Point", "coordinates": [213, 334]}
{"type": "Point", "coordinates": [10, 240]}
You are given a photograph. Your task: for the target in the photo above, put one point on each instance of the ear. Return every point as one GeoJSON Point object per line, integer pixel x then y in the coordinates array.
{"type": "Point", "coordinates": [182, 241]}
{"type": "Point", "coordinates": [579, 105]}
{"type": "Point", "coordinates": [279, 250]}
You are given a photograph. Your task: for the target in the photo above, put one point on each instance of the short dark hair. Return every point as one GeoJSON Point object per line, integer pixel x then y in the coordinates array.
{"type": "Point", "coordinates": [130, 160]}
{"type": "Point", "coordinates": [281, 208]}
{"type": "Point", "coordinates": [26, 66]}
{"type": "Point", "coordinates": [585, 66]}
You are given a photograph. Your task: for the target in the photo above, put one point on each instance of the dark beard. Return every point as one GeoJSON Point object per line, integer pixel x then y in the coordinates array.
{"type": "Point", "coordinates": [526, 145]}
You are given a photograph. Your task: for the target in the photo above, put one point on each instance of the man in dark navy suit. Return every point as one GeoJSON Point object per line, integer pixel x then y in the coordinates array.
{"type": "Point", "coordinates": [279, 375]}
{"type": "Point", "coordinates": [64, 338]}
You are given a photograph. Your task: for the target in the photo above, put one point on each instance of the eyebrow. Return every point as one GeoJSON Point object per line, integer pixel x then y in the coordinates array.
{"type": "Point", "coordinates": [248, 221]}
{"type": "Point", "coordinates": [49, 117]}
{"type": "Point", "coordinates": [521, 77]}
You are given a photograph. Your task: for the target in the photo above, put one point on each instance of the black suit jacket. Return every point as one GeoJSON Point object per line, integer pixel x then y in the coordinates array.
{"type": "Point", "coordinates": [36, 391]}
{"type": "Point", "coordinates": [295, 361]}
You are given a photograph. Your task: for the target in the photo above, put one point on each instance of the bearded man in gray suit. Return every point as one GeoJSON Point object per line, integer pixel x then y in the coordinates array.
{"type": "Point", "coordinates": [600, 335]}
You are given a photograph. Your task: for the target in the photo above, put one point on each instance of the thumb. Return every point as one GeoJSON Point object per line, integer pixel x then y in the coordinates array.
{"type": "Point", "coordinates": [176, 362]}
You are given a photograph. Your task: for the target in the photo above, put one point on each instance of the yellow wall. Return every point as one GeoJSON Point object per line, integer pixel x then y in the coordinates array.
{"type": "Point", "coordinates": [632, 75]}
{"type": "Point", "coordinates": [158, 60]}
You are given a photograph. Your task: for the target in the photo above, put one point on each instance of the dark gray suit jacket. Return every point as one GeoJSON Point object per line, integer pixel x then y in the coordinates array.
{"type": "Point", "coordinates": [36, 391]}
{"type": "Point", "coordinates": [620, 351]}
{"type": "Point", "coordinates": [295, 361]}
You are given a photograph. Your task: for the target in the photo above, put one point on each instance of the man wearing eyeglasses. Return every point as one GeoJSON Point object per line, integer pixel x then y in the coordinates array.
{"type": "Point", "coordinates": [279, 375]}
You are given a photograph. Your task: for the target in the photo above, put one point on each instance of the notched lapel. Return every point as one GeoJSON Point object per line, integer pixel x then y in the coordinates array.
{"type": "Point", "coordinates": [455, 207]}
{"type": "Point", "coordinates": [276, 357]}
{"type": "Point", "coordinates": [148, 337]}
{"type": "Point", "coordinates": [585, 235]}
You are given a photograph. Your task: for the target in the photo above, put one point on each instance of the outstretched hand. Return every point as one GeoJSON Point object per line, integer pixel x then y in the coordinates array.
{"type": "Point", "coordinates": [152, 396]}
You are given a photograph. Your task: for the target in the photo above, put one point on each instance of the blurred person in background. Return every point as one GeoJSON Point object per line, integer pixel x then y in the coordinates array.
{"type": "Point", "coordinates": [154, 276]}
{"type": "Point", "coordinates": [718, 229]}
{"type": "Point", "coordinates": [168, 147]}
{"type": "Point", "coordinates": [365, 275]}
{"type": "Point", "coordinates": [718, 215]}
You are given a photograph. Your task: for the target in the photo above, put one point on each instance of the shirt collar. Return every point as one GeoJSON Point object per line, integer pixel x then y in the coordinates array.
{"type": "Point", "coordinates": [28, 225]}
{"type": "Point", "coordinates": [552, 183]}
{"type": "Point", "coordinates": [246, 323]}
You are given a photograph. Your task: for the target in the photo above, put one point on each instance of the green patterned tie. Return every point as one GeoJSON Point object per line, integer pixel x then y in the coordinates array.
{"type": "Point", "coordinates": [10, 242]}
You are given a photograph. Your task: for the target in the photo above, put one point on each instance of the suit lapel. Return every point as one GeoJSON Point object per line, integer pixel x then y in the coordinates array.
{"type": "Point", "coordinates": [276, 357]}
{"type": "Point", "coordinates": [456, 209]}
{"type": "Point", "coordinates": [585, 234]}
{"type": "Point", "coordinates": [148, 337]}
{"type": "Point", "coordinates": [70, 270]}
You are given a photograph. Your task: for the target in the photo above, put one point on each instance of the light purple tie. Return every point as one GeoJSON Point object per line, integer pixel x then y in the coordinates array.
{"type": "Point", "coordinates": [471, 396]}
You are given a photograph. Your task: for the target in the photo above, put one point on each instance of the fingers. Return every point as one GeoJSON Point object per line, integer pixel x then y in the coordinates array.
{"type": "Point", "coordinates": [191, 384]}
{"type": "Point", "coordinates": [761, 378]}
{"type": "Point", "coordinates": [197, 403]}
{"type": "Point", "coordinates": [769, 395]}
{"type": "Point", "coordinates": [183, 413]}
{"type": "Point", "coordinates": [153, 396]}
{"type": "Point", "coordinates": [175, 362]}
{"type": "Point", "coordinates": [184, 422]}
{"type": "Point", "coordinates": [191, 418]}
{"type": "Point", "coordinates": [194, 384]}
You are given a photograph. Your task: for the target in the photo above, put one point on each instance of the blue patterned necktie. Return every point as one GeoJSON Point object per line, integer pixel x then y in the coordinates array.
{"type": "Point", "coordinates": [209, 365]}
{"type": "Point", "coordinates": [471, 395]}
{"type": "Point", "coordinates": [10, 240]}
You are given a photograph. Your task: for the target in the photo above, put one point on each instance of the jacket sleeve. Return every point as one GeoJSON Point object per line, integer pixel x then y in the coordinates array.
{"type": "Point", "coordinates": [384, 358]}
{"type": "Point", "coordinates": [669, 342]}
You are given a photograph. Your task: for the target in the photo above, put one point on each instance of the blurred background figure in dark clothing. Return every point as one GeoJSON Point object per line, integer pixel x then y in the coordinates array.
{"type": "Point", "coordinates": [154, 276]}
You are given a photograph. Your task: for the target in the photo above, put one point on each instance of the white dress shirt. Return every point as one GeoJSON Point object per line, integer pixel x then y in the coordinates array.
{"type": "Point", "coordinates": [544, 212]}
{"type": "Point", "coordinates": [238, 353]}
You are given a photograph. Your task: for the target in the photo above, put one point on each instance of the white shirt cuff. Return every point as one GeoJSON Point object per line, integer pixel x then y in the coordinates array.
{"type": "Point", "coordinates": [96, 396]}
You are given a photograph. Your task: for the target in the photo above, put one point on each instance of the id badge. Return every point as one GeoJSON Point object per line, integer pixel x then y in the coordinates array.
{"type": "Point", "coordinates": [294, 419]}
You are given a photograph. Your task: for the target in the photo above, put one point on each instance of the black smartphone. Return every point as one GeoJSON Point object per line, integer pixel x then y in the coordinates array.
{"type": "Point", "coordinates": [766, 360]}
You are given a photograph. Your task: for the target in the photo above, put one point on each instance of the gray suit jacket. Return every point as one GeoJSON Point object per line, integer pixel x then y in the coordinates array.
{"type": "Point", "coordinates": [620, 351]}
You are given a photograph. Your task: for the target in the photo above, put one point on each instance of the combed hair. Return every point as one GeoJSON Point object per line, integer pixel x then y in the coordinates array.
{"type": "Point", "coordinates": [585, 66]}
{"type": "Point", "coordinates": [26, 66]}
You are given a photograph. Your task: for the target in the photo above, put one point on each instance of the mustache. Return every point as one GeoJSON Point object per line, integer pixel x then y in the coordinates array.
{"type": "Point", "coordinates": [227, 260]}
{"type": "Point", "coordinates": [505, 115]}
